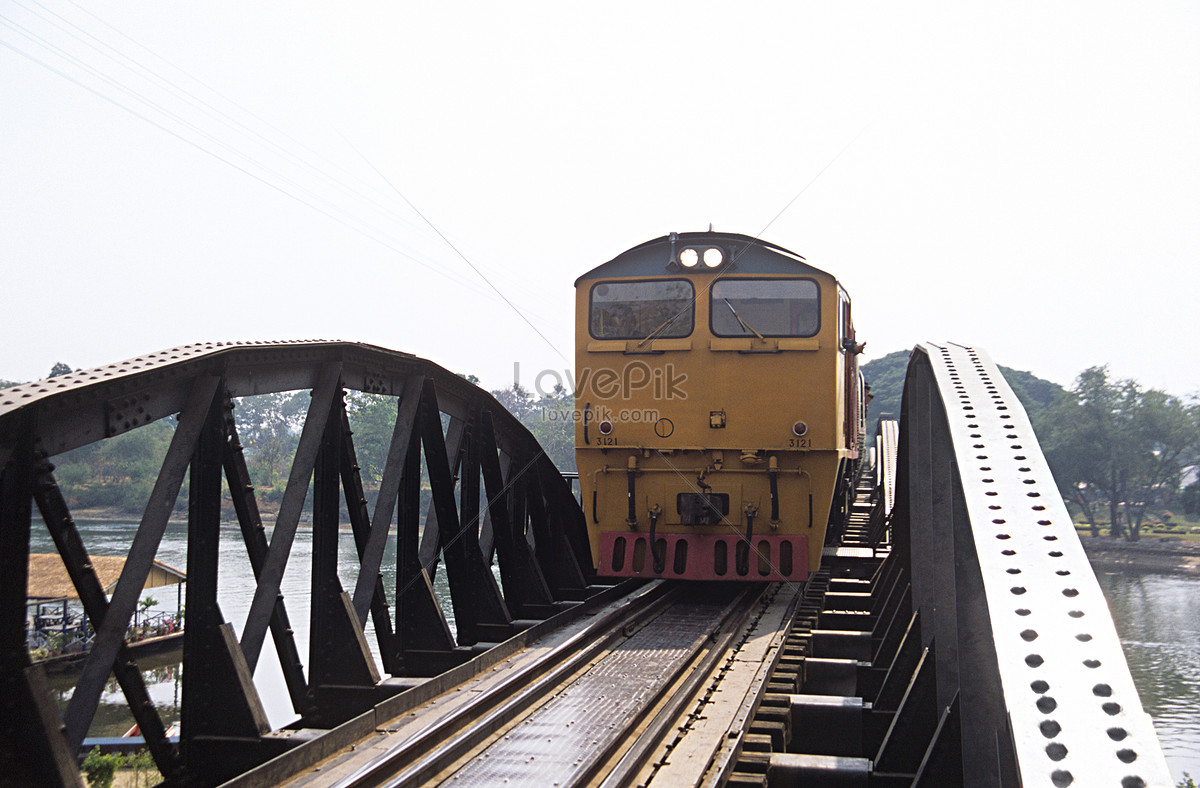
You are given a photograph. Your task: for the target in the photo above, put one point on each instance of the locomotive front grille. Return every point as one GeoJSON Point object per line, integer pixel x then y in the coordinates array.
{"type": "Point", "coordinates": [704, 556]}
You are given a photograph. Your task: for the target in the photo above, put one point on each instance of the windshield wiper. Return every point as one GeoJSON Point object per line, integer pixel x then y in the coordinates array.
{"type": "Point", "coordinates": [659, 330]}
{"type": "Point", "coordinates": [745, 326]}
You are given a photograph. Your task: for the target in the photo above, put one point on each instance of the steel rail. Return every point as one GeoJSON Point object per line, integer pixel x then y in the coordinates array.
{"type": "Point", "coordinates": [657, 697]}
{"type": "Point", "coordinates": [433, 747]}
{"type": "Point", "coordinates": [684, 695]}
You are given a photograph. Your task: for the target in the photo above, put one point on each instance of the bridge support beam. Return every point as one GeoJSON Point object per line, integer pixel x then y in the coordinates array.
{"type": "Point", "coordinates": [224, 727]}
{"type": "Point", "coordinates": [1026, 648]}
{"type": "Point", "coordinates": [342, 673]}
{"type": "Point", "coordinates": [37, 754]}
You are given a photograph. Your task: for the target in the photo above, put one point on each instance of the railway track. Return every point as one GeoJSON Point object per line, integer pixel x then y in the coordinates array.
{"type": "Point", "coordinates": [669, 683]}
{"type": "Point", "coordinates": [644, 688]}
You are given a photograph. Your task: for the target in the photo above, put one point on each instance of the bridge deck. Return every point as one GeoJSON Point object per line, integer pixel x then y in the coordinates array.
{"type": "Point", "coordinates": [982, 632]}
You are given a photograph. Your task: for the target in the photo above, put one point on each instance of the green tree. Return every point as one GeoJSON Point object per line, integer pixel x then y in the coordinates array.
{"type": "Point", "coordinates": [100, 769]}
{"type": "Point", "coordinates": [373, 419]}
{"type": "Point", "coordinates": [1111, 440]}
{"type": "Point", "coordinates": [552, 422]}
{"type": "Point", "coordinates": [886, 377]}
{"type": "Point", "coordinates": [550, 419]}
{"type": "Point", "coordinates": [269, 430]}
{"type": "Point", "coordinates": [1072, 445]}
{"type": "Point", "coordinates": [1164, 431]}
{"type": "Point", "coordinates": [517, 399]}
{"type": "Point", "coordinates": [59, 368]}
{"type": "Point", "coordinates": [119, 472]}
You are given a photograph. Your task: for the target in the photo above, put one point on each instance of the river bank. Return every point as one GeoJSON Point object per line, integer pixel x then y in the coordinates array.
{"type": "Point", "coordinates": [1148, 555]}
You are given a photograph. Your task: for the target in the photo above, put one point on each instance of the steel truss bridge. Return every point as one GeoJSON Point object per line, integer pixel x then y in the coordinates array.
{"type": "Point", "coordinates": [954, 636]}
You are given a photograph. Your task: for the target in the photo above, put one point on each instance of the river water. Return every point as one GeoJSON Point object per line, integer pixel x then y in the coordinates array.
{"type": "Point", "coordinates": [1157, 617]}
{"type": "Point", "coordinates": [1158, 620]}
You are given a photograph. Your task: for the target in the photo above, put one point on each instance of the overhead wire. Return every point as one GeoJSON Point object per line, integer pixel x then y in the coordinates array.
{"type": "Point", "coordinates": [457, 251]}
{"type": "Point", "coordinates": [236, 166]}
{"type": "Point", "coordinates": [237, 159]}
{"type": "Point", "coordinates": [216, 112]}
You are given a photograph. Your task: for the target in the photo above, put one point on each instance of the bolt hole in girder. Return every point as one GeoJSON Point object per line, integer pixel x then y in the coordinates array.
{"type": "Point", "coordinates": [1061, 778]}
{"type": "Point", "coordinates": [991, 475]}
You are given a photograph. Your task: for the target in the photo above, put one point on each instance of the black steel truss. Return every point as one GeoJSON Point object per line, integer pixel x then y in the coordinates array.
{"type": "Point", "coordinates": [496, 498]}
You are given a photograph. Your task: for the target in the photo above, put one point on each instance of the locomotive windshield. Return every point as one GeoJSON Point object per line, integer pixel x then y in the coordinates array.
{"type": "Point", "coordinates": [635, 310]}
{"type": "Point", "coordinates": [770, 307]}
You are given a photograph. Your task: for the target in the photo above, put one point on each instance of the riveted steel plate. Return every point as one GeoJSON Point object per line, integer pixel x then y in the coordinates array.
{"type": "Point", "coordinates": [1074, 712]}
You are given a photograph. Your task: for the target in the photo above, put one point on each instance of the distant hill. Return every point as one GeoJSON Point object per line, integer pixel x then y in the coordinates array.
{"type": "Point", "coordinates": [886, 377]}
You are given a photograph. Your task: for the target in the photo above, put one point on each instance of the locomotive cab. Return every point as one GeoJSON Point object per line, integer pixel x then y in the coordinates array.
{"type": "Point", "coordinates": [717, 396]}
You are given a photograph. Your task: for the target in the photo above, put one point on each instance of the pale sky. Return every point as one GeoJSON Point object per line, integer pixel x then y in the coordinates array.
{"type": "Point", "coordinates": [1023, 177]}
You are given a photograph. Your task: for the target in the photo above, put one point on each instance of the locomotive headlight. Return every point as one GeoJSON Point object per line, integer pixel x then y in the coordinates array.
{"type": "Point", "coordinates": [605, 427]}
{"type": "Point", "coordinates": [800, 429]}
{"type": "Point", "coordinates": [713, 257]}
{"type": "Point", "coordinates": [688, 258]}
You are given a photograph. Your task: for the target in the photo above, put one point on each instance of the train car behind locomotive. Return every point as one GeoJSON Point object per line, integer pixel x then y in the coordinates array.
{"type": "Point", "coordinates": [719, 408]}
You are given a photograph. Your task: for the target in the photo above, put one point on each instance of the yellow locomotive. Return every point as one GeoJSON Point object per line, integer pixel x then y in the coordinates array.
{"type": "Point", "coordinates": [719, 408]}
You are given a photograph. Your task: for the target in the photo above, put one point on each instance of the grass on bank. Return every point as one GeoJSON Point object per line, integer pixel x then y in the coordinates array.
{"type": "Point", "coordinates": [1160, 525]}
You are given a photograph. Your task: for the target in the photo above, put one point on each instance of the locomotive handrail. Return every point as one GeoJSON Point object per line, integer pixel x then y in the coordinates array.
{"type": "Point", "coordinates": [1050, 685]}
